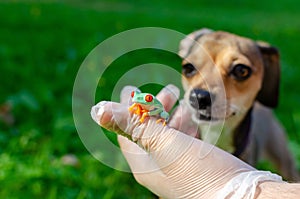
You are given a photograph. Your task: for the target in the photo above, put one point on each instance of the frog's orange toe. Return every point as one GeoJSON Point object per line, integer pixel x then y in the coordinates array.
{"type": "Point", "coordinates": [161, 120]}
{"type": "Point", "coordinates": [143, 117]}
{"type": "Point", "coordinates": [158, 121]}
{"type": "Point", "coordinates": [142, 120]}
{"type": "Point", "coordinates": [132, 108]}
{"type": "Point", "coordinates": [137, 112]}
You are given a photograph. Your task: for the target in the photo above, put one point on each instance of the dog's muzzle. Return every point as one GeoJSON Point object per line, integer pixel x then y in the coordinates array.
{"type": "Point", "coordinates": [201, 101]}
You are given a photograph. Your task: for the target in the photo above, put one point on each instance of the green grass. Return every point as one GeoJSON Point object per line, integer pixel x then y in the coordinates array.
{"type": "Point", "coordinates": [41, 48]}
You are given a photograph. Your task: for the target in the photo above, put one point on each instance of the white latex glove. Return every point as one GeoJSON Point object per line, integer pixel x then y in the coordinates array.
{"type": "Point", "coordinates": [168, 162]}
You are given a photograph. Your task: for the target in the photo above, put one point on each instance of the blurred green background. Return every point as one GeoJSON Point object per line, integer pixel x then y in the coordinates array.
{"type": "Point", "coordinates": [43, 43]}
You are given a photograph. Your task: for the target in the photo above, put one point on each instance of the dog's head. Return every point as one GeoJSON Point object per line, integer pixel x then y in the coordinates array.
{"type": "Point", "coordinates": [223, 74]}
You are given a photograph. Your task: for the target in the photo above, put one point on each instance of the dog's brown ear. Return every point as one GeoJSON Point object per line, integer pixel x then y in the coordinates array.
{"type": "Point", "coordinates": [269, 93]}
{"type": "Point", "coordinates": [188, 42]}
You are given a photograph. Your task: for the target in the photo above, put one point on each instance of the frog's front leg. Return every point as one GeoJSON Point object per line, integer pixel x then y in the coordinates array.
{"type": "Point", "coordinates": [136, 109]}
{"type": "Point", "coordinates": [144, 116]}
{"type": "Point", "coordinates": [150, 113]}
{"type": "Point", "coordinates": [132, 107]}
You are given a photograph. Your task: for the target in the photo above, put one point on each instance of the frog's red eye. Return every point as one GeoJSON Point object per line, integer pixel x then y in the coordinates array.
{"type": "Point", "coordinates": [148, 98]}
{"type": "Point", "coordinates": [132, 94]}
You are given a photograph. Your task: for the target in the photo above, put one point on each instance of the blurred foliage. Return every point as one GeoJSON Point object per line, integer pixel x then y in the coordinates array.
{"type": "Point", "coordinates": [42, 44]}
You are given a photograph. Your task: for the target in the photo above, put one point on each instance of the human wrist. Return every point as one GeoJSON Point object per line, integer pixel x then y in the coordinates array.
{"type": "Point", "coordinates": [251, 184]}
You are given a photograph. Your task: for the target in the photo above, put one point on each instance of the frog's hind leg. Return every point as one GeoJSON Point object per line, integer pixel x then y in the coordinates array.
{"type": "Point", "coordinates": [164, 117]}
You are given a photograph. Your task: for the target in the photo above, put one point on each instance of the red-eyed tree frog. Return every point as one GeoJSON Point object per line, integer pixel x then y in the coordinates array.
{"type": "Point", "coordinates": [145, 104]}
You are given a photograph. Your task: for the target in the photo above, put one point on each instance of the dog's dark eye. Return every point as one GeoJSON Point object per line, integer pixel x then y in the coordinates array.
{"type": "Point", "coordinates": [188, 70]}
{"type": "Point", "coordinates": [241, 72]}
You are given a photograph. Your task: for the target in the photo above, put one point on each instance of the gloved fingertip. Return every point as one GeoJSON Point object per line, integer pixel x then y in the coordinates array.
{"type": "Point", "coordinates": [173, 89]}
{"type": "Point", "coordinates": [97, 111]}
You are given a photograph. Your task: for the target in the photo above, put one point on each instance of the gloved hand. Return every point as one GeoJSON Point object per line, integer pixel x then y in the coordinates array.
{"type": "Point", "coordinates": [168, 162]}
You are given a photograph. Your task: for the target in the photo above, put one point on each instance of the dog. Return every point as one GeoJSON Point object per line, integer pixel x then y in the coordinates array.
{"type": "Point", "coordinates": [231, 84]}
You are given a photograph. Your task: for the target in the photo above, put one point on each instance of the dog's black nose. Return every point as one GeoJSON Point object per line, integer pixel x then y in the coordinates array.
{"type": "Point", "coordinates": [200, 99]}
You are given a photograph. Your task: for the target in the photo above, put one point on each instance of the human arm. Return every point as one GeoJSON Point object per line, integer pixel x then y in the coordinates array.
{"type": "Point", "coordinates": [277, 190]}
{"type": "Point", "coordinates": [175, 165]}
